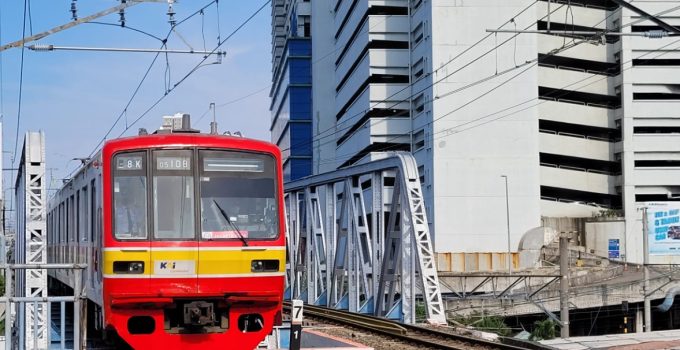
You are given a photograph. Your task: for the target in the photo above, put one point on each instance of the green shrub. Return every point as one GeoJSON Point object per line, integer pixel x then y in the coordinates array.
{"type": "Point", "coordinates": [486, 323]}
{"type": "Point", "coordinates": [544, 330]}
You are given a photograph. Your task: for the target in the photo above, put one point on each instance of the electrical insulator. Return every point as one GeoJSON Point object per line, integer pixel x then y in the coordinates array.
{"type": "Point", "coordinates": [656, 34]}
{"type": "Point", "coordinates": [171, 13]}
{"type": "Point", "coordinates": [74, 10]}
{"type": "Point", "coordinates": [41, 47]}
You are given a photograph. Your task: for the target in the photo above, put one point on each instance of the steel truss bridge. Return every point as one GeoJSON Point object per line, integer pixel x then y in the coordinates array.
{"type": "Point", "coordinates": [359, 240]}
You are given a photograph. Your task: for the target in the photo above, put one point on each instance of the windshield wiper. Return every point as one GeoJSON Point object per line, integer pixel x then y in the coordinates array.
{"type": "Point", "coordinates": [226, 217]}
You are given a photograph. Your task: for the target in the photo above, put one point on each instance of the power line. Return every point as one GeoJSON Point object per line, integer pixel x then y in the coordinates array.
{"type": "Point", "coordinates": [141, 82]}
{"type": "Point", "coordinates": [238, 99]}
{"type": "Point", "coordinates": [447, 130]}
{"type": "Point", "coordinates": [21, 83]}
{"type": "Point", "coordinates": [197, 65]}
{"type": "Point", "coordinates": [321, 135]}
{"type": "Point", "coordinates": [574, 43]}
{"type": "Point", "coordinates": [128, 28]}
{"type": "Point", "coordinates": [2, 86]}
{"type": "Point", "coordinates": [450, 129]}
{"type": "Point", "coordinates": [337, 131]}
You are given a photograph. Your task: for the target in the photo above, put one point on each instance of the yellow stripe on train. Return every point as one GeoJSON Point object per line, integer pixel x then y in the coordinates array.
{"type": "Point", "coordinates": [188, 261]}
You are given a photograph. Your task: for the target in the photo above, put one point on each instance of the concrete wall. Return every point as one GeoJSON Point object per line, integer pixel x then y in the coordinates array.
{"type": "Point", "coordinates": [468, 155]}
{"type": "Point", "coordinates": [598, 234]}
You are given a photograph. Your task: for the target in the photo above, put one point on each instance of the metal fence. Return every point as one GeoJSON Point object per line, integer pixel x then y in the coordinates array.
{"type": "Point", "coordinates": [19, 334]}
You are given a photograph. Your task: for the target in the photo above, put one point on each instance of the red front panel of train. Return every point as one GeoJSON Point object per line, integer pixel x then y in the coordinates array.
{"type": "Point", "coordinates": [193, 240]}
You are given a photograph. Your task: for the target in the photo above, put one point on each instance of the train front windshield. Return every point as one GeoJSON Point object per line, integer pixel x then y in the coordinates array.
{"type": "Point", "coordinates": [231, 194]}
{"type": "Point", "coordinates": [238, 195]}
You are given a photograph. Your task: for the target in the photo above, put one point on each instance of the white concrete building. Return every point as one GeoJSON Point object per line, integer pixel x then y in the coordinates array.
{"type": "Point", "coordinates": [578, 123]}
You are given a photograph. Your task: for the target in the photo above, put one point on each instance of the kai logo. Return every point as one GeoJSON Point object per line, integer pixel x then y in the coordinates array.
{"type": "Point", "coordinates": [171, 265]}
{"type": "Point", "coordinates": [174, 267]}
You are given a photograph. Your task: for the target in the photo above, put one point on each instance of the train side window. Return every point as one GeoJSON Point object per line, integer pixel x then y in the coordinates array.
{"type": "Point", "coordinates": [77, 216]}
{"type": "Point", "coordinates": [85, 215]}
{"type": "Point", "coordinates": [66, 221]}
{"type": "Point", "coordinates": [71, 234]}
{"type": "Point", "coordinates": [129, 196]}
{"type": "Point", "coordinates": [93, 208]}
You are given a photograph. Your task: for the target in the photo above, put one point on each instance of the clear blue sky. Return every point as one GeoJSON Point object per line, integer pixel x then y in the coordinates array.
{"type": "Point", "coordinates": [74, 97]}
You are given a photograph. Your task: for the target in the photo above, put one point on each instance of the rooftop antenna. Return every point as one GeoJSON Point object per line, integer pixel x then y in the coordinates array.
{"type": "Point", "coordinates": [213, 124]}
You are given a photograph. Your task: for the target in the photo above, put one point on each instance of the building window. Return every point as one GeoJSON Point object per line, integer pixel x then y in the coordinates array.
{"type": "Point", "coordinates": [418, 140]}
{"type": "Point", "coordinates": [419, 104]}
{"type": "Point", "coordinates": [419, 68]}
{"type": "Point", "coordinates": [418, 33]}
{"type": "Point", "coordinates": [415, 4]}
{"type": "Point", "coordinates": [421, 174]}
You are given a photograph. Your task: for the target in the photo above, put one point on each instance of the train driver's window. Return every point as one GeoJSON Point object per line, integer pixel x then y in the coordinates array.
{"type": "Point", "coordinates": [129, 196]}
{"type": "Point", "coordinates": [238, 195]}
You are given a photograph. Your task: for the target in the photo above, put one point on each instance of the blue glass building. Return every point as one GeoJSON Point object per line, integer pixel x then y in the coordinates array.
{"type": "Point", "coordinates": [291, 92]}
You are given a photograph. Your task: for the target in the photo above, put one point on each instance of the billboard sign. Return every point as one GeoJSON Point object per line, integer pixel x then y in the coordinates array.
{"type": "Point", "coordinates": [663, 224]}
{"type": "Point", "coordinates": [614, 248]}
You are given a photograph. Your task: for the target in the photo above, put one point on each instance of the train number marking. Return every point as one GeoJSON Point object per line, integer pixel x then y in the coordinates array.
{"type": "Point", "coordinates": [297, 313]}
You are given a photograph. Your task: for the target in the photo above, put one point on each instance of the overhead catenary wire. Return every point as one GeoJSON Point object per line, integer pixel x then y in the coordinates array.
{"type": "Point", "coordinates": [21, 84]}
{"type": "Point", "coordinates": [2, 80]}
{"type": "Point", "coordinates": [187, 75]}
{"type": "Point", "coordinates": [124, 111]}
{"type": "Point", "coordinates": [144, 77]}
{"type": "Point", "coordinates": [232, 101]}
{"type": "Point", "coordinates": [162, 97]}
{"type": "Point", "coordinates": [324, 135]}
{"type": "Point", "coordinates": [337, 131]}
{"type": "Point", "coordinates": [430, 100]}
{"type": "Point", "coordinates": [450, 130]}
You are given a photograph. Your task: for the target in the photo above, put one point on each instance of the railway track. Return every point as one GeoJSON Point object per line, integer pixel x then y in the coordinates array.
{"type": "Point", "coordinates": [416, 335]}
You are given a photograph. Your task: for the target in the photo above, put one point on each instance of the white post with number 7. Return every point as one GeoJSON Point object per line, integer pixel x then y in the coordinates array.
{"type": "Point", "coordinates": [296, 324]}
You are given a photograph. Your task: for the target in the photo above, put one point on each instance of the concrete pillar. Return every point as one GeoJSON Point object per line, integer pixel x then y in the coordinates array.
{"type": "Point", "coordinates": [639, 324]}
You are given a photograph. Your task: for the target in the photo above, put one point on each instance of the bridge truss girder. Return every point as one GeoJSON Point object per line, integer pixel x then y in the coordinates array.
{"type": "Point", "coordinates": [31, 240]}
{"type": "Point", "coordinates": [347, 251]}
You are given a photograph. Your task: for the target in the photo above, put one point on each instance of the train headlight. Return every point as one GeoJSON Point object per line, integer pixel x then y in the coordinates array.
{"type": "Point", "coordinates": [264, 265]}
{"type": "Point", "coordinates": [129, 267]}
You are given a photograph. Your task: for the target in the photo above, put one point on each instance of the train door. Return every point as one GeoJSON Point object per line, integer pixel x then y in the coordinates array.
{"type": "Point", "coordinates": [174, 249]}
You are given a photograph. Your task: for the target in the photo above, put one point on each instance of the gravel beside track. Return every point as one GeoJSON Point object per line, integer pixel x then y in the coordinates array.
{"type": "Point", "coordinates": [381, 334]}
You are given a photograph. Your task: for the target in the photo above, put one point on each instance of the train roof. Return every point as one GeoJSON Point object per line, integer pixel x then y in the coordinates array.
{"type": "Point", "coordinates": [188, 139]}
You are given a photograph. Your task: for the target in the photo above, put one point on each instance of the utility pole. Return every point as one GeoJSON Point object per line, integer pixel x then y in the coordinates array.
{"type": "Point", "coordinates": [564, 284]}
{"type": "Point", "coordinates": [507, 216]}
{"type": "Point", "coordinates": [645, 270]}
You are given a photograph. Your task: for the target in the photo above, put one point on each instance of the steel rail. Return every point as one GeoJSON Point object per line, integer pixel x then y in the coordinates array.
{"type": "Point", "coordinates": [408, 333]}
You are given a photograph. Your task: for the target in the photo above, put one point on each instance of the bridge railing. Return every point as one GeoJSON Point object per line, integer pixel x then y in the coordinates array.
{"type": "Point", "coordinates": [20, 333]}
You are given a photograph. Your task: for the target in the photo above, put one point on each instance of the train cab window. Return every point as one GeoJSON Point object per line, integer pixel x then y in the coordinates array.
{"type": "Point", "coordinates": [238, 195]}
{"type": "Point", "coordinates": [129, 196]}
{"type": "Point", "coordinates": [173, 194]}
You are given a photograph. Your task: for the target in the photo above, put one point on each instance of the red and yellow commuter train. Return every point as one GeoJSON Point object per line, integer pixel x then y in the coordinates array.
{"type": "Point", "coordinates": [183, 236]}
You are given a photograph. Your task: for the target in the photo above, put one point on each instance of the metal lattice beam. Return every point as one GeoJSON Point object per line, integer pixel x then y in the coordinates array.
{"type": "Point", "coordinates": [359, 240]}
{"type": "Point", "coordinates": [30, 247]}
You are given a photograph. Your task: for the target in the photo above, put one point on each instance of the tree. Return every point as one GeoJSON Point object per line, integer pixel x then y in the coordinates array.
{"type": "Point", "coordinates": [544, 330]}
